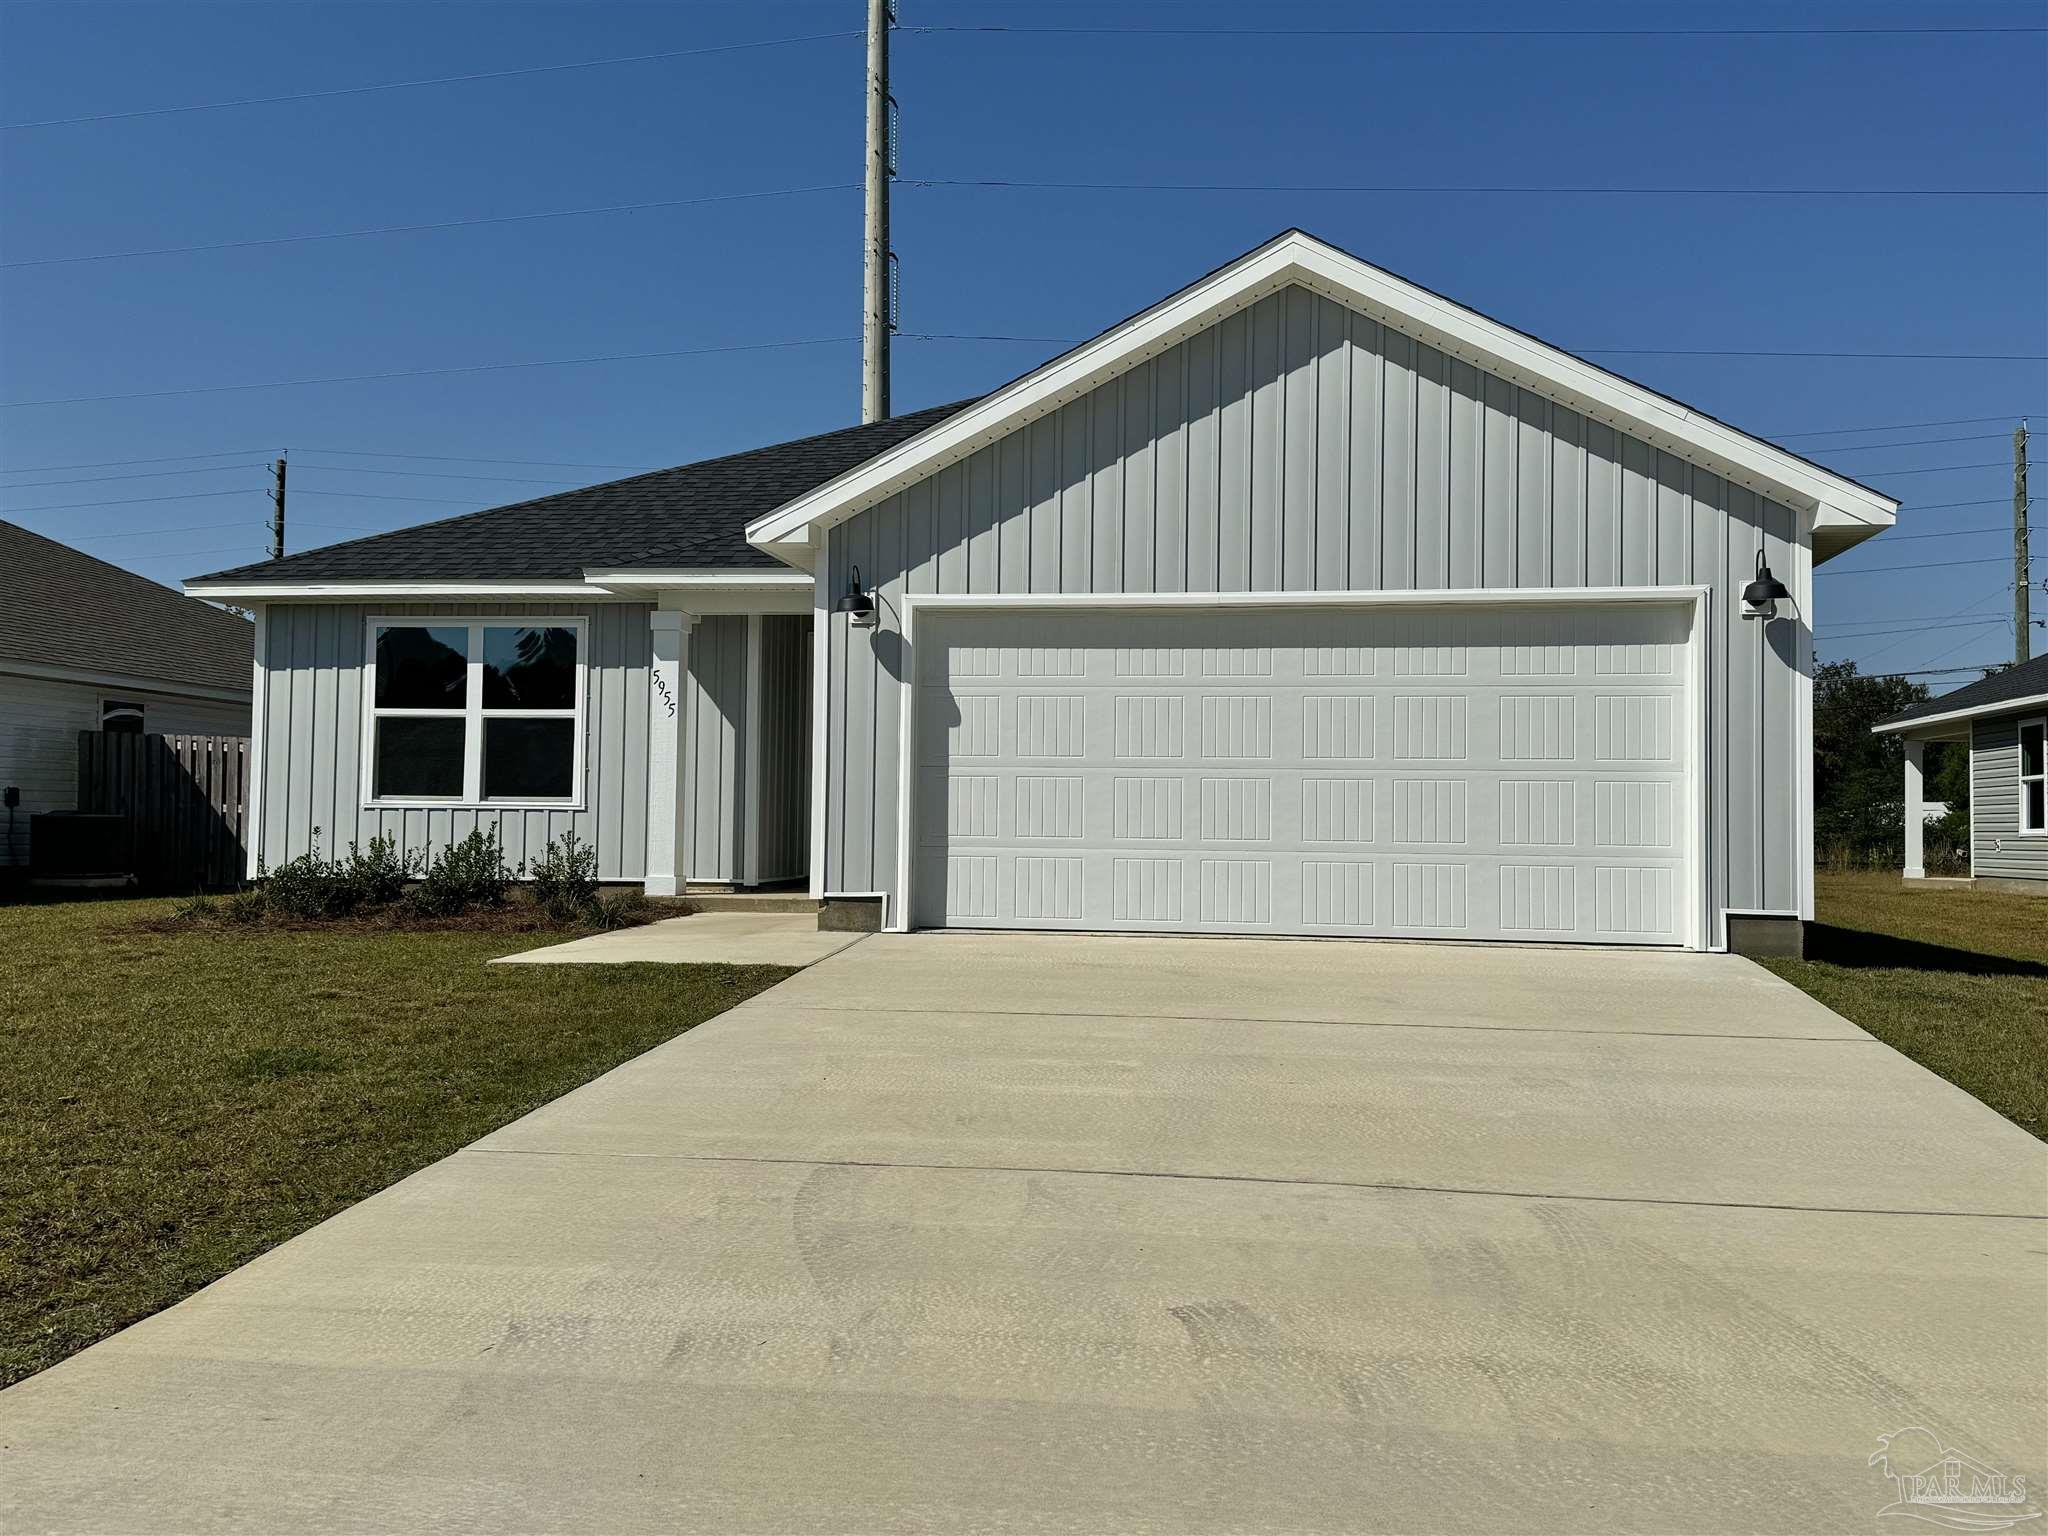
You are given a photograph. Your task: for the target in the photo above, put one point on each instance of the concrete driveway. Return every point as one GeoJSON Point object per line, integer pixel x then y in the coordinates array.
{"type": "Point", "coordinates": [1046, 1233]}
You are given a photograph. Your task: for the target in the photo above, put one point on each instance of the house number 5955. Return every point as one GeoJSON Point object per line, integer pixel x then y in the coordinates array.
{"type": "Point", "coordinates": [667, 699]}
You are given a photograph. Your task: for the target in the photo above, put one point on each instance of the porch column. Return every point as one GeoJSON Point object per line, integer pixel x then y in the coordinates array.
{"type": "Point", "coordinates": [666, 738]}
{"type": "Point", "coordinates": [1916, 816]}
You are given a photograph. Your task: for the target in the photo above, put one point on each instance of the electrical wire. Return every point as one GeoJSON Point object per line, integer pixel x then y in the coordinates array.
{"type": "Point", "coordinates": [429, 474]}
{"type": "Point", "coordinates": [408, 85]}
{"type": "Point", "coordinates": [132, 501]}
{"type": "Point", "coordinates": [147, 474]}
{"type": "Point", "coordinates": [1902, 426]}
{"type": "Point", "coordinates": [1456, 189]}
{"type": "Point", "coordinates": [1927, 565]}
{"type": "Point", "coordinates": [412, 229]}
{"type": "Point", "coordinates": [457, 458]}
{"type": "Point", "coordinates": [169, 458]}
{"type": "Point", "coordinates": [1474, 32]}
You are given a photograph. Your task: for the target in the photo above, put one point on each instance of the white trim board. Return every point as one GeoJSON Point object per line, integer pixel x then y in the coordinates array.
{"type": "Point", "coordinates": [2017, 706]}
{"type": "Point", "coordinates": [1705, 928]}
{"type": "Point", "coordinates": [1295, 258]}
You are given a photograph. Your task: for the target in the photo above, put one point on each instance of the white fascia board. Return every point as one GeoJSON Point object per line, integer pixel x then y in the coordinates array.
{"type": "Point", "coordinates": [355, 591]}
{"type": "Point", "coordinates": [1419, 597]}
{"type": "Point", "coordinates": [716, 581]}
{"type": "Point", "coordinates": [1295, 258]}
{"type": "Point", "coordinates": [1977, 712]}
{"type": "Point", "coordinates": [128, 682]}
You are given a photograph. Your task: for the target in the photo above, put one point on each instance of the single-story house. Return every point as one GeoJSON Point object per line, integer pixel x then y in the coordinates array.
{"type": "Point", "coordinates": [1305, 601]}
{"type": "Point", "coordinates": [88, 646]}
{"type": "Point", "coordinates": [2004, 719]}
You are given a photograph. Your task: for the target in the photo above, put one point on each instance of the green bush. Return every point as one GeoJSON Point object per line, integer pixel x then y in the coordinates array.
{"type": "Point", "coordinates": [565, 879]}
{"type": "Point", "coordinates": [377, 876]}
{"type": "Point", "coordinates": [471, 873]}
{"type": "Point", "coordinates": [307, 887]}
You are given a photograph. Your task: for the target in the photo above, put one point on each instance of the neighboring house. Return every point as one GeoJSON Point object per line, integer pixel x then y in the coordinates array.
{"type": "Point", "coordinates": [1303, 602]}
{"type": "Point", "coordinates": [2004, 719]}
{"type": "Point", "coordinates": [87, 646]}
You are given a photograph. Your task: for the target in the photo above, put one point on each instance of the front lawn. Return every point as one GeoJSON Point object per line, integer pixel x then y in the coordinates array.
{"type": "Point", "coordinates": [1955, 978]}
{"type": "Point", "coordinates": [174, 1101]}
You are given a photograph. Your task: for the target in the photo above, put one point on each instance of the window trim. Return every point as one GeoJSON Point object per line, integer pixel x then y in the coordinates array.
{"type": "Point", "coordinates": [2021, 778]}
{"type": "Point", "coordinates": [473, 714]}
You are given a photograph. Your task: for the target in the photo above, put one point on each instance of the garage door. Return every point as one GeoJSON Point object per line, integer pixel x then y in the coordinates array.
{"type": "Point", "coordinates": [1496, 773]}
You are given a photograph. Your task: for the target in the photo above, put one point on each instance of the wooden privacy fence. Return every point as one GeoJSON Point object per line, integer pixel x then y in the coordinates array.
{"type": "Point", "coordinates": [186, 799]}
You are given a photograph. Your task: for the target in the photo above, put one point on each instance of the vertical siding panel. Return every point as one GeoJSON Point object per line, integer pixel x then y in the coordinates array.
{"type": "Point", "coordinates": [1742, 765]}
{"type": "Point", "coordinates": [1170, 471]}
{"type": "Point", "coordinates": [920, 537]}
{"type": "Point", "coordinates": [1532, 490]}
{"type": "Point", "coordinates": [1432, 469]}
{"type": "Point", "coordinates": [1234, 461]}
{"type": "Point", "coordinates": [1567, 498]}
{"type": "Point", "coordinates": [1205, 460]}
{"type": "Point", "coordinates": [636, 645]}
{"type": "Point", "coordinates": [1264, 513]}
{"type": "Point", "coordinates": [1013, 510]}
{"type": "Point", "coordinates": [303, 821]}
{"type": "Point", "coordinates": [1105, 490]}
{"type": "Point", "coordinates": [1332, 570]}
{"type": "Point", "coordinates": [1138, 463]}
{"type": "Point", "coordinates": [1397, 464]}
{"type": "Point", "coordinates": [949, 533]}
{"type": "Point", "coordinates": [1076, 517]}
{"type": "Point", "coordinates": [1710, 516]}
{"type": "Point", "coordinates": [1778, 833]}
{"type": "Point", "coordinates": [1638, 514]}
{"type": "Point", "coordinates": [979, 516]}
{"type": "Point", "coordinates": [1603, 506]}
{"type": "Point", "coordinates": [1498, 541]}
{"type": "Point", "coordinates": [1301, 417]}
{"type": "Point", "coordinates": [350, 637]}
{"type": "Point", "coordinates": [1045, 505]}
{"type": "Point", "coordinates": [1674, 538]}
{"type": "Point", "coordinates": [326, 684]}
{"type": "Point", "coordinates": [1464, 448]}
{"type": "Point", "coordinates": [845, 732]}
{"type": "Point", "coordinates": [1368, 384]}
{"type": "Point", "coordinates": [892, 670]}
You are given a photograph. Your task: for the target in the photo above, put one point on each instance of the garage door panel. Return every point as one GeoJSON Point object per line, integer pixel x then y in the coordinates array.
{"type": "Point", "coordinates": [1516, 774]}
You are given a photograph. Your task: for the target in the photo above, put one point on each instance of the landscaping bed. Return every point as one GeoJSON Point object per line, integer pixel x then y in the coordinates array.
{"type": "Point", "coordinates": [176, 1098]}
{"type": "Point", "coordinates": [1953, 977]}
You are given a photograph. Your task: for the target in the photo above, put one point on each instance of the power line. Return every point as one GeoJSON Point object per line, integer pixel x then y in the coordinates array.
{"type": "Point", "coordinates": [1915, 442]}
{"type": "Point", "coordinates": [1936, 469]}
{"type": "Point", "coordinates": [1946, 533]}
{"type": "Point", "coordinates": [147, 474]}
{"type": "Point", "coordinates": [1418, 32]}
{"type": "Point", "coordinates": [1905, 426]}
{"type": "Point", "coordinates": [458, 458]}
{"type": "Point", "coordinates": [407, 85]}
{"type": "Point", "coordinates": [1456, 189]}
{"type": "Point", "coordinates": [1895, 629]}
{"type": "Point", "coordinates": [169, 458]}
{"type": "Point", "coordinates": [153, 533]}
{"type": "Point", "coordinates": [446, 501]}
{"type": "Point", "coordinates": [427, 474]}
{"type": "Point", "coordinates": [410, 229]}
{"type": "Point", "coordinates": [421, 373]}
{"type": "Point", "coordinates": [132, 501]}
{"type": "Point", "coordinates": [1925, 565]}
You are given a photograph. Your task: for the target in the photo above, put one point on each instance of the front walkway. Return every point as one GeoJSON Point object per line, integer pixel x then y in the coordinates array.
{"type": "Point", "coordinates": [704, 938]}
{"type": "Point", "coordinates": [1038, 1232]}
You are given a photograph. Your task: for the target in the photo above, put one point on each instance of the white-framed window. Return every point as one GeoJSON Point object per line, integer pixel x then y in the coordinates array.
{"type": "Point", "coordinates": [124, 717]}
{"type": "Point", "coordinates": [2034, 775]}
{"type": "Point", "coordinates": [474, 711]}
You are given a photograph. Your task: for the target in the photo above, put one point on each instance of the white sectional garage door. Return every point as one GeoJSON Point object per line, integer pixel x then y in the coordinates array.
{"type": "Point", "coordinates": [1453, 772]}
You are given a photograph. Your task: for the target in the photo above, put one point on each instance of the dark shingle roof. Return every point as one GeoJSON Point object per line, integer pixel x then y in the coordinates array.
{"type": "Point", "coordinates": [693, 517]}
{"type": "Point", "coordinates": [59, 607]}
{"type": "Point", "coordinates": [2028, 680]}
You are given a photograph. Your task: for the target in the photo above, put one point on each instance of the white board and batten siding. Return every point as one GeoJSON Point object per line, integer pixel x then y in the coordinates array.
{"type": "Point", "coordinates": [311, 763]}
{"type": "Point", "coordinates": [1298, 446]}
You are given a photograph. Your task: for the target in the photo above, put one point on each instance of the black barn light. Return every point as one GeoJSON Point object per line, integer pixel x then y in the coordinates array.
{"type": "Point", "coordinates": [856, 604]}
{"type": "Point", "coordinates": [1761, 597]}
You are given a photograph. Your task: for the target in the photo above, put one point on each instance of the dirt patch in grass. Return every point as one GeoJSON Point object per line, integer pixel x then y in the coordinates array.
{"type": "Point", "coordinates": [174, 1100]}
{"type": "Point", "coordinates": [1955, 978]}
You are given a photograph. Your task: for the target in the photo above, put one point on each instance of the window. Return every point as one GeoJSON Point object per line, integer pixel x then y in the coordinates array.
{"type": "Point", "coordinates": [474, 711]}
{"type": "Point", "coordinates": [2034, 775]}
{"type": "Point", "coordinates": [121, 716]}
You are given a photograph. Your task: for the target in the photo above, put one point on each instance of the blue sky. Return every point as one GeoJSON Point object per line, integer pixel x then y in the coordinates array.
{"type": "Point", "coordinates": [1857, 109]}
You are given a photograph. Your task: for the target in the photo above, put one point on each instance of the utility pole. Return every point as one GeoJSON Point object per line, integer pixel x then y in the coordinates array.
{"type": "Point", "coordinates": [875, 327]}
{"type": "Point", "coordinates": [277, 518]}
{"type": "Point", "coordinates": [2022, 567]}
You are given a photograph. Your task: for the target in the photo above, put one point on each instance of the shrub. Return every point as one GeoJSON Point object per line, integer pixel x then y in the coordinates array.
{"type": "Point", "coordinates": [307, 887]}
{"type": "Point", "coordinates": [628, 909]}
{"type": "Point", "coordinates": [472, 873]}
{"type": "Point", "coordinates": [244, 906]}
{"type": "Point", "coordinates": [377, 876]}
{"type": "Point", "coordinates": [565, 879]}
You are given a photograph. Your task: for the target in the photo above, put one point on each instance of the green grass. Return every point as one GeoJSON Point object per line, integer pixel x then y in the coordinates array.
{"type": "Point", "coordinates": [173, 1103]}
{"type": "Point", "coordinates": [1955, 978]}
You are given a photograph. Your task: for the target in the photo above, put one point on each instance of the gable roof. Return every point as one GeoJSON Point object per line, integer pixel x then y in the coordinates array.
{"type": "Point", "coordinates": [1845, 510]}
{"type": "Point", "coordinates": [62, 612]}
{"type": "Point", "coordinates": [691, 517]}
{"type": "Point", "coordinates": [2013, 689]}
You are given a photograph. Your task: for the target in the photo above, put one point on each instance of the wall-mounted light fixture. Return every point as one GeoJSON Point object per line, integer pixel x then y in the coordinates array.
{"type": "Point", "coordinates": [857, 605]}
{"type": "Point", "coordinates": [1761, 597]}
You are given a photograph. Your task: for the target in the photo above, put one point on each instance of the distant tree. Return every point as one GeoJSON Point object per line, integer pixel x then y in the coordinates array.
{"type": "Point", "coordinates": [1858, 778]}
